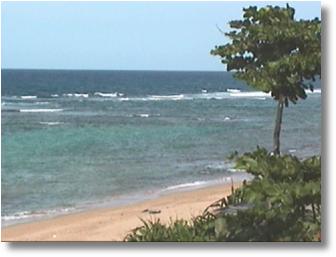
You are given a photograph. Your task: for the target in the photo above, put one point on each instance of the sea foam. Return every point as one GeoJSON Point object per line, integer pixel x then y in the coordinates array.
{"type": "Point", "coordinates": [230, 93]}
{"type": "Point", "coordinates": [28, 97]}
{"type": "Point", "coordinates": [186, 185]}
{"type": "Point", "coordinates": [144, 115]}
{"type": "Point", "coordinates": [166, 97]}
{"type": "Point", "coordinates": [40, 110]}
{"type": "Point", "coordinates": [233, 90]}
{"type": "Point", "coordinates": [33, 215]}
{"type": "Point", "coordinates": [106, 94]}
{"type": "Point", "coordinates": [83, 95]}
{"type": "Point", "coordinates": [51, 123]}
{"type": "Point", "coordinates": [315, 91]}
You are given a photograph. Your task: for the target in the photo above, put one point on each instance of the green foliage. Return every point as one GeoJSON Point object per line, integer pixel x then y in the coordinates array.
{"type": "Point", "coordinates": [273, 52]}
{"type": "Point", "coordinates": [281, 203]}
{"type": "Point", "coordinates": [199, 229]}
{"type": "Point", "coordinates": [285, 199]}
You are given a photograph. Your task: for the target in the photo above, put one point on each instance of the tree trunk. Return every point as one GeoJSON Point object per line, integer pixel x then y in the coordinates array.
{"type": "Point", "coordinates": [277, 128]}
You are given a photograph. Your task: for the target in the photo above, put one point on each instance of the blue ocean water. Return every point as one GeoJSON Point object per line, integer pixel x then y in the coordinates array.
{"type": "Point", "coordinates": [76, 139]}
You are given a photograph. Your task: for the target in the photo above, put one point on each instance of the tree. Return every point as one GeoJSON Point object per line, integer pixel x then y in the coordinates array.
{"type": "Point", "coordinates": [273, 52]}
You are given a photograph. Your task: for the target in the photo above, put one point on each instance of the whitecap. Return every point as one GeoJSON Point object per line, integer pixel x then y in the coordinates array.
{"type": "Point", "coordinates": [166, 97]}
{"type": "Point", "coordinates": [28, 97]}
{"type": "Point", "coordinates": [124, 99]}
{"type": "Point", "coordinates": [192, 184]}
{"type": "Point", "coordinates": [40, 110]}
{"type": "Point", "coordinates": [315, 91]}
{"type": "Point", "coordinates": [229, 94]}
{"type": "Point", "coordinates": [142, 115]}
{"type": "Point", "coordinates": [76, 95]}
{"type": "Point", "coordinates": [253, 94]}
{"type": "Point", "coordinates": [52, 123]}
{"type": "Point", "coordinates": [106, 94]}
{"type": "Point", "coordinates": [81, 95]}
{"type": "Point", "coordinates": [233, 90]}
{"type": "Point", "coordinates": [208, 96]}
{"type": "Point", "coordinates": [41, 103]}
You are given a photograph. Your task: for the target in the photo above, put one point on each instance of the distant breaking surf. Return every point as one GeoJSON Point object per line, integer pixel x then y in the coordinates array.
{"type": "Point", "coordinates": [230, 93]}
{"type": "Point", "coordinates": [40, 110]}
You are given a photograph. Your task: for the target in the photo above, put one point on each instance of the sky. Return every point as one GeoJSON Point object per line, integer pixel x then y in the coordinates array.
{"type": "Point", "coordinates": [121, 35]}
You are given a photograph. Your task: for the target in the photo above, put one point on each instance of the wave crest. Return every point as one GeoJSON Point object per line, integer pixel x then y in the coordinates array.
{"type": "Point", "coordinates": [40, 110]}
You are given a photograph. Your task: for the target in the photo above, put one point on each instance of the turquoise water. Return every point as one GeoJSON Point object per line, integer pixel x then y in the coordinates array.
{"type": "Point", "coordinates": [65, 153]}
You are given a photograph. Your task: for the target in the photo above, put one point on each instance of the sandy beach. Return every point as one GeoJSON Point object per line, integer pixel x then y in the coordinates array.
{"type": "Point", "coordinates": [112, 224]}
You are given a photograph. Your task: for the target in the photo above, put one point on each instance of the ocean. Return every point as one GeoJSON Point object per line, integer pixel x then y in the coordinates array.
{"type": "Point", "coordinates": [74, 140]}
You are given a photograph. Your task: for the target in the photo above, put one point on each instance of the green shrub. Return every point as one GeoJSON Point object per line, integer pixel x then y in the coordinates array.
{"type": "Point", "coordinates": [285, 200]}
{"type": "Point", "coordinates": [281, 203]}
{"type": "Point", "coordinates": [200, 229]}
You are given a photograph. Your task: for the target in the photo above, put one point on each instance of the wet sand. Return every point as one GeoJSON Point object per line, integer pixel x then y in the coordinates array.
{"type": "Point", "coordinates": [112, 224]}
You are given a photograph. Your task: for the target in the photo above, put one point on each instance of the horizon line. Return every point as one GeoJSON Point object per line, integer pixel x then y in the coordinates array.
{"type": "Point", "coordinates": [77, 69]}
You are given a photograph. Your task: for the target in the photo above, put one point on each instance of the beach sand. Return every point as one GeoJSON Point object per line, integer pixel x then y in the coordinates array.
{"type": "Point", "coordinates": [112, 224]}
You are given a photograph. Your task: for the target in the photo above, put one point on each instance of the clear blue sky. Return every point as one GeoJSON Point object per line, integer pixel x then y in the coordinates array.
{"type": "Point", "coordinates": [115, 35]}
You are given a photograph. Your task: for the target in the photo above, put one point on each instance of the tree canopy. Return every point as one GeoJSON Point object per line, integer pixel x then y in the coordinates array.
{"type": "Point", "coordinates": [273, 52]}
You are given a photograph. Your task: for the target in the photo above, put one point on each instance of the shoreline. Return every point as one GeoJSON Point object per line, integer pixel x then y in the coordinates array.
{"type": "Point", "coordinates": [118, 200]}
{"type": "Point", "coordinates": [113, 223]}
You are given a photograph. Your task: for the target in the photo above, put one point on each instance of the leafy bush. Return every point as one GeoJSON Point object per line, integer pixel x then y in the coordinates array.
{"type": "Point", "coordinates": [200, 229]}
{"type": "Point", "coordinates": [284, 200]}
{"type": "Point", "coordinates": [281, 203]}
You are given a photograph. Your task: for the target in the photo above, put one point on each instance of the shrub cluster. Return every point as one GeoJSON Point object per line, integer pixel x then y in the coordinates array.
{"type": "Point", "coordinates": [281, 203]}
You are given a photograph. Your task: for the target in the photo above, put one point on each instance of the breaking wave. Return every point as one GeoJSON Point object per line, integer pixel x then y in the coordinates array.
{"type": "Point", "coordinates": [40, 110]}
{"type": "Point", "coordinates": [33, 215]}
